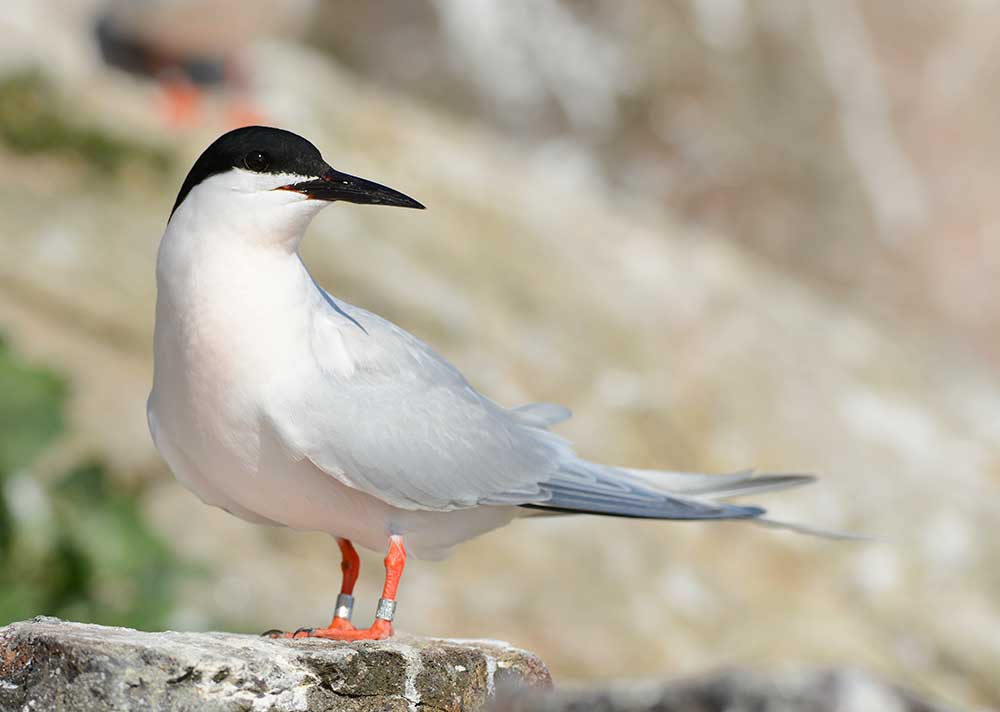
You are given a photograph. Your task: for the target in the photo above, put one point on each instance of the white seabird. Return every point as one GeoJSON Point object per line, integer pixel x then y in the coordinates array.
{"type": "Point", "coordinates": [284, 405]}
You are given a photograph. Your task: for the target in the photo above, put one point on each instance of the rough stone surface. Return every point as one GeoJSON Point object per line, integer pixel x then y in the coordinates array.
{"type": "Point", "coordinates": [834, 690]}
{"type": "Point", "coordinates": [49, 664]}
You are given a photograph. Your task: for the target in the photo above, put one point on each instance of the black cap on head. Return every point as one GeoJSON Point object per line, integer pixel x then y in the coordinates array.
{"type": "Point", "coordinates": [263, 149]}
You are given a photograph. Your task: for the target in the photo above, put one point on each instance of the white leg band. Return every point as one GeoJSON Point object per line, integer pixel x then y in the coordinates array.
{"type": "Point", "coordinates": [345, 606]}
{"type": "Point", "coordinates": [386, 609]}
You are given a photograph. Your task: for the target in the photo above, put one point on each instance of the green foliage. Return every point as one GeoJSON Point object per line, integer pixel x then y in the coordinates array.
{"type": "Point", "coordinates": [30, 413]}
{"type": "Point", "coordinates": [34, 120]}
{"type": "Point", "coordinates": [79, 547]}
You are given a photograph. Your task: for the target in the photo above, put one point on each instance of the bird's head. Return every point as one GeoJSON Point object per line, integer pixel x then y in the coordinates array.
{"type": "Point", "coordinates": [269, 182]}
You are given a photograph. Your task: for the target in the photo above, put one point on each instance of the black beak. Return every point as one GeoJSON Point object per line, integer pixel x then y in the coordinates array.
{"type": "Point", "coordinates": [334, 185]}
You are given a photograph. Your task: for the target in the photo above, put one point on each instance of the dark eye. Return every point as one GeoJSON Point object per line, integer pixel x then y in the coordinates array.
{"type": "Point", "coordinates": [257, 161]}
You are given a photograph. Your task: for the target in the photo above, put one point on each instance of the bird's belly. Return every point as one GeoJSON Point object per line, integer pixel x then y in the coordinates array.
{"type": "Point", "coordinates": [245, 471]}
{"type": "Point", "coordinates": [206, 413]}
{"type": "Point", "coordinates": [295, 493]}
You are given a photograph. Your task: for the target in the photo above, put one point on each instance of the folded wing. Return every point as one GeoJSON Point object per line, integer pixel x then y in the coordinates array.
{"type": "Point", "coordinates": [401, 424]}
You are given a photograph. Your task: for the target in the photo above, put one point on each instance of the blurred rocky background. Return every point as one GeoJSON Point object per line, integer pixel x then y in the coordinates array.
{"type": "Point", "coordinates": [726, 233]}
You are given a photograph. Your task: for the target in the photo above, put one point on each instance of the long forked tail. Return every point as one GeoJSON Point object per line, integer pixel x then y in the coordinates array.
{"type": "Point", "coordinates": [588, 488]}
{"type": "Point", "coordinates": [717, 487]}
{"type": "Point", "coordinates": [738, 484]}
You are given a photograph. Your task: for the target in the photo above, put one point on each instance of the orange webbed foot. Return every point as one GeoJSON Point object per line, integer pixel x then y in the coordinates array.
{"type": "Point", "coordinates": [380, 630]}
{"type": "Point", "coordinates": [340, 627]}
{"type": "Point", "coordinates": [340, 624]}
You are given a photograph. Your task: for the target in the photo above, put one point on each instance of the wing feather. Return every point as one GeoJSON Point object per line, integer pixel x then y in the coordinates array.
{"type": "Point", "coordinates": [396, 420]}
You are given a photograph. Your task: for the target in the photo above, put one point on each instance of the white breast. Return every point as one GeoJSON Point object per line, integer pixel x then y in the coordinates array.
{"type": "Point", "coordinates": [245, 340]}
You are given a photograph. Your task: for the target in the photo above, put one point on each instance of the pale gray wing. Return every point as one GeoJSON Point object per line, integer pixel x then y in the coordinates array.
{"type": "Point", "coordinates": [403, 424]}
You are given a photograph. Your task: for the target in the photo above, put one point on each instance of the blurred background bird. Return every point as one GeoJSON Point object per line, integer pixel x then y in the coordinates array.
{"type": "Point", "coordinates": [190, 46]}
{"type": "Point", "coordinates": [792, 202]}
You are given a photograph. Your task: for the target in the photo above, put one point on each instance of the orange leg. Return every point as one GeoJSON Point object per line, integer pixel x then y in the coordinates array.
{"type": "Point", "coordinates": [350, 565]}
{"type": "Point", "coordinates": [395, 560]}
{"type": "Point", "coordinates": [182, 102]}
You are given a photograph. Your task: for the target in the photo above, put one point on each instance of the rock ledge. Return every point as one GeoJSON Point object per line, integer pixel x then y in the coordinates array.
{"type": "Point", "coordinates": [48, 664]}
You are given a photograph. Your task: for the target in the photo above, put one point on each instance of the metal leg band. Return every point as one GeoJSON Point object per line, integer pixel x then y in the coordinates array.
{"type": "Point", "coordinates": [345, 606]}
{"type": "Point", "coordinates": [386, 609]}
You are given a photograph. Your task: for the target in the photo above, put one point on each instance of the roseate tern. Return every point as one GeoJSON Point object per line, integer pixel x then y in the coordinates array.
{"type": "Point", "coordinates": [283, 405]}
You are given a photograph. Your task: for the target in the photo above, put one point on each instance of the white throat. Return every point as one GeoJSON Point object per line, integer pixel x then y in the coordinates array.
{"type": "Point", "coordinates": [240, 207]}
{"type": "Point", "coordinates": [228, 260]}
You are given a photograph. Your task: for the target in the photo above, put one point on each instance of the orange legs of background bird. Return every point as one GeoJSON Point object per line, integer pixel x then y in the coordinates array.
{"type": "Point", "coordinates": [395, 560]}
{"type": "Point", "coordinates": [182, 101]}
